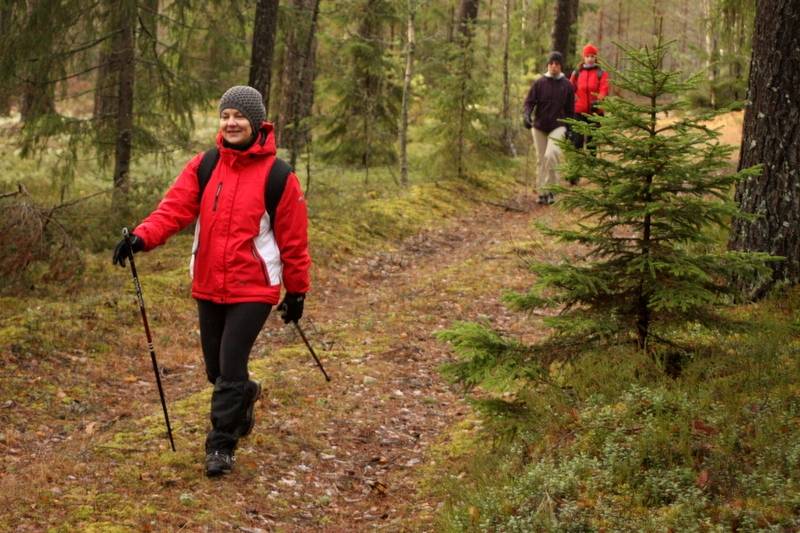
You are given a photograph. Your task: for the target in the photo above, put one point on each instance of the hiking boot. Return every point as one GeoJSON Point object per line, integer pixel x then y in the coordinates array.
{"type": "Point", "coordinates": [542, 199]}
{"type": "Point", "coordinates": [218, 463]}
{"type": "Point", "coordinates": [250, 419]}
{"type": "Point", "coordinates": [551, 199]}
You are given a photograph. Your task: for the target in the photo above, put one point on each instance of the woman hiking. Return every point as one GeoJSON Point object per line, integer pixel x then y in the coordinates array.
{"type": "Point", "coordinates": [591, 86]}
{"type": "Point", "coordinates": [239, 260]}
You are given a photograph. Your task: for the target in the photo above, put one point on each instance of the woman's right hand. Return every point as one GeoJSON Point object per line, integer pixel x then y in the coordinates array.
{"type": "Point", "coordinates": [123, 250]}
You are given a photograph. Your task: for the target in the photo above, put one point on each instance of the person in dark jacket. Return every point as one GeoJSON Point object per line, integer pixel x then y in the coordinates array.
{"type": "Point", "coordinates": [239, 260]}
{"type": "Point", "coordinates": [550, 99]}
{"type": "Point", "coordinates": [591, 86]}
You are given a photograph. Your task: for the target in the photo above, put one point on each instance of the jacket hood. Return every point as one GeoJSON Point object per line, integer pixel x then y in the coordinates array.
{"type": "Point", "coordinates": [263, 146]}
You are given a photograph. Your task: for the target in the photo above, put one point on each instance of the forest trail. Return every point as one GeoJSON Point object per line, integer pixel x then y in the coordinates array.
{"type": "Point", "coordinates": [348, 455]}
{"type": "Point", "coordinates": [82, 434]}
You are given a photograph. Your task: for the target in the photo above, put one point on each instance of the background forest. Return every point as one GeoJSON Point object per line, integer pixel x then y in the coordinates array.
{"type": "Point", "coordinates": [568, 407]}
{"type": "Point", "coordinates": [109, 97]}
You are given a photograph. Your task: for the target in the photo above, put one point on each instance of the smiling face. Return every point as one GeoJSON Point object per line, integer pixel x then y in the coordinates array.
{"type": "Point", "coordinates": [235, 127]}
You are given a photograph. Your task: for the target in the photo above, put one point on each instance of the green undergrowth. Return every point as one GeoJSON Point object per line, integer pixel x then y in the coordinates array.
{"type": "Point", "coordinates": [608, 442]}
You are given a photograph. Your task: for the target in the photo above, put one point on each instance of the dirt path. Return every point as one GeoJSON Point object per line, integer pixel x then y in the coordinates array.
{"type": "Point", "coordinates": [344, 456]}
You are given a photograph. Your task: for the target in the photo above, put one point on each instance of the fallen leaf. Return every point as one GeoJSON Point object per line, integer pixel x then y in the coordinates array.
{"type": "Point", "coordinates": [702, 479]}
{"type": "Point", "coordinates": [701, 427]}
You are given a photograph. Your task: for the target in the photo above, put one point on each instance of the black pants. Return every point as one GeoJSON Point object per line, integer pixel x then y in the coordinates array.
{"type": "Point", "coordinates": [227, 334]}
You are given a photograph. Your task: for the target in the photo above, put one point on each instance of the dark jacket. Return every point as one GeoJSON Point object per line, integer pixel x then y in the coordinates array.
{"type": "Point", "coordinates": [549, 100]}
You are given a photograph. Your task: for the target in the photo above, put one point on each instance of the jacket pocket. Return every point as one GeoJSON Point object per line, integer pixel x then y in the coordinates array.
{"type": "Point", "coordinates": [261, 263]}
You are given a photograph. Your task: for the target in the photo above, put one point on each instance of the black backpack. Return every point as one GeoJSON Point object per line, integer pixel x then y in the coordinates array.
{"type": "Point", "coordinates": [276, 181]}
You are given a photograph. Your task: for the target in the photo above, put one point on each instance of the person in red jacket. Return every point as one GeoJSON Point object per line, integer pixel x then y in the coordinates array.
{"type": "Point", "coordinates": [591, 86]}
{"type": "Point", "coordinates": [239, 260]}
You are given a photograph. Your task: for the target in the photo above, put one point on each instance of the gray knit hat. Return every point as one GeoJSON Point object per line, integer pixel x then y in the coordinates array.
{"type": "Point", "coordinates": [248, 101]}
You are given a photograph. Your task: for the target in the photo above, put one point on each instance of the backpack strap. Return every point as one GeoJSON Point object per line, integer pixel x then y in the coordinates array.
{"type": "Point", "coordinates": [273, 191]}
{"type": "Point", "coordinates": [207, 165]}
{"type": "Point", "coordinates": [276, 183]}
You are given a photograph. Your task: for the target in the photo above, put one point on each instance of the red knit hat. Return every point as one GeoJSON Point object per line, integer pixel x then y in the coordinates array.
{"type": "Point", "coordinates": [589, 50]}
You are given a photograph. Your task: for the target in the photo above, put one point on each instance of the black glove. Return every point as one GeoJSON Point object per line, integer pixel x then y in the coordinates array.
{"type": "Point", "coordinates": [291, 308]}
{"type": "Point", "coordinates": [527, 121]}
{"type": "Point", "coordinates": [123, 251]}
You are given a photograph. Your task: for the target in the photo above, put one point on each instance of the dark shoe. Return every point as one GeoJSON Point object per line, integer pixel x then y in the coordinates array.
{"type": "Point", "coordinates": [542, 199]}
{"type": "Point", "coordinates": [219, 463]}
{"type": "Point", "coordinates": [250, 419]}
{"type": "Point", "coordinates": [551, 198]}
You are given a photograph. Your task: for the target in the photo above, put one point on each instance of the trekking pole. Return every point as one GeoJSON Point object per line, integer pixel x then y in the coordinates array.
{"type": "Point", "coordinates": [310, 349]}
{"type": "Point", "coordinates": [127, 236]}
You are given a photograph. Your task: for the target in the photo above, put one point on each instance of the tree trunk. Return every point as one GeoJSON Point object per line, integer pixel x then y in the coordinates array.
{"type": "Point", "coordinates": [771, 138]}
{"type": "Point", "coordinates": [299, 65]}
{"type": "Point", "coordinates": [38, 91]}
{"type": "Point", "coordinates": [263, 49]}
{"type": "Point", "coordinates": [563, 36]}
{"type": "Point", "coordinates": [467, 15]}
{"type": "Point", "coordinates": [123, 60]}
{"type": "Point", "coordinates": [601, 19]}
{"type": "Point", "coordinates": [5, 29]}
{"type": "Point", "coordinates": [508, 142]}
{"type": "Point", "coordinates": [489, 31]}
{"type": "Point", "coordinates": [107, 84]}
{"type": "Point", "coordinates": [711, 53]}
{"type": "Point", "coordinates": [410, 44]}
{"type": "Point", "coordinates": [620, 30]}
{"type": "Point", "coordinates": [303, 97]}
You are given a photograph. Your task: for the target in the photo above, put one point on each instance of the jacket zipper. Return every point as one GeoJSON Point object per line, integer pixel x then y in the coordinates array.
{"type": "Point", "coordinates": [216, 196]}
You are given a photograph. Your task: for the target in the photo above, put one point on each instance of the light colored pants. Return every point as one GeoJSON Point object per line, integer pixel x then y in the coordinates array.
{"type": "Point", "coordinates": [548, 156]}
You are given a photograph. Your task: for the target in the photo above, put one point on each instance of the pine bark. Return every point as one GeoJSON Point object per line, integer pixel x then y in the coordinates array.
{"type": "Point", "coordinates": [467, 15]}
{"type": "Point", "coordinates": [771, 138]}
{"type": "Point", "coordinates": [123, 61]}
{"type": "Point", "coordinates": [563, 38]}
{"type": "Point", "coordinates": [5, 29]}
{"type": "Point", "coordinates": [410, 45]}
{"type": "Point", "coordinates": [263, 49]}
{"type": "Point", "coordinates": [297, 75]}
{"type": "Point", "coordinates": [303, 97]}
{"type": "Point", "coordinates": [38, 91]}
{"type": "Point", "coordinates": [508, 142]}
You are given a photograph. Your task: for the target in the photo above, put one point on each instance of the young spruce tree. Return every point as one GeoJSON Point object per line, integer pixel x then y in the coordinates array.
{"type": "Point", "coordinates": [649, 264]}
{"type": "Point", "coordinates": [362, 128]}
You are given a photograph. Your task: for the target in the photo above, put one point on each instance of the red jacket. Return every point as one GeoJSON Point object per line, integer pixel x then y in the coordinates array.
{"type": "Point", "coordinates": [236, 257]}
{"type": "Point", "coordinates": [589, 88]}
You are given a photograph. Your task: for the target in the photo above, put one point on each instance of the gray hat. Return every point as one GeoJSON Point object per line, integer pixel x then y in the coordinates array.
{"type": "Point", "coordinates": [247, 100]}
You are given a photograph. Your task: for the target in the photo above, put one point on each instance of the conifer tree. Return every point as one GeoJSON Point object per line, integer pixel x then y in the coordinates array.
{"type": "Point", "coordinates": [363, 126]}
{"type": "Point", "coordinates": [649, 265]}
{"type": "Point", "coordinates": [145, 95]}
{"type": "Point", "coordinates": [456, 75]}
